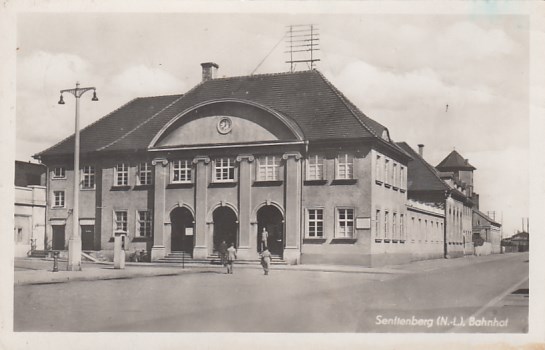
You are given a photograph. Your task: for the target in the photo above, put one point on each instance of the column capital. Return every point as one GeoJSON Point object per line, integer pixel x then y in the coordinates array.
{"type": "Point", "coordinates": [248, 157]}
{"type": "Point", "coordinates": [295, 155]}
{"type": "Point", "coordinates": [162, 161]}
{"type": "Point", "coordinates": [204, 159]}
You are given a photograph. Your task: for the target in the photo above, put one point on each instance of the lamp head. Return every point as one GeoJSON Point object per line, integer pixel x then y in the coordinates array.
{"type": "Point", "coordinates": [95, 98]}
{"type": "Point", "coordinates": [61, 101]}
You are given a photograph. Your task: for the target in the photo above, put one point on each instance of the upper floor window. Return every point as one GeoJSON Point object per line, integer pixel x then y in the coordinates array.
{"type": "Point", "coordinates": [268, 168]}
{"type": "Point", "coordinates": [144, 223]}
{"type": "Point", "coordinates": [59, 173]}
{"type": "Point", "coordinates": [394, 175]}
{"type": "Point", "coordinates": [181, 171]}
{"type": "Point", "coordinates": [402, 177]}
{"type": "Point", "coordinates": [58, 201]}
{"type": "Point", "coordinates": [121, 174]}
{"type": "Point", "coordinates": [378, 168]}
{"type": "Point", "coordinates": [345, 166]}
{"type": "Point", "coordinates": [144, 174]}
{"type": "Point", "coordinates": [224, 170]}
{"type": "Point", "coordinates": [387, 171]}
{"type": "Point", "coordinates": [88, 177]}
{"type": "Point", "coordinates": [345, 223]}
{"type": "Point", "coordinates": [315, 167]}
{"type": "Point", "coordinates": [120, 221]}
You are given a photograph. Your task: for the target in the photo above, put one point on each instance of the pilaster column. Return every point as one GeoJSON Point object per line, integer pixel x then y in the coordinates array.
{"type": "Point", "coordinates": [292, 199]}
{"type": "Point", "coordinates": [200, 250]}
{"type": "Point", "coordinates": [159, 183]}
{"type": "Point", "coordinates": [245, 205]}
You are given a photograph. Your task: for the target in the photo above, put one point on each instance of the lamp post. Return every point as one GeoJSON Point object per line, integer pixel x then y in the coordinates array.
{"type": "Point", "coordinates": [74, 243]}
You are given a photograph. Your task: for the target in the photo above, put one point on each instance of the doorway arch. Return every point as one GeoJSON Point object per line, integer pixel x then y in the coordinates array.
{"type": "Point", "coordinates": [271, 218]}
{"type": "Point", "coordinates": [225, 226]}
{"type": "Point", "coordinates": [182, 223]}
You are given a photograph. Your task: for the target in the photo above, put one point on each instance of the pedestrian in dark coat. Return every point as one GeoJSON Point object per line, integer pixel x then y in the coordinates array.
{"type": "Point", "coordinates": [266, 261]}
{"type": "Point", "coordinates": [223, 253]}
{"type": "Point", "coordinates": [231, 257]}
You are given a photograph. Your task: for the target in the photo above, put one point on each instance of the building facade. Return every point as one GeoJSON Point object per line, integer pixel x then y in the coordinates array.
{"type": "Point", "coordinates": [233, 157]}
{"type": "Point", "coordinates": [488, 230]}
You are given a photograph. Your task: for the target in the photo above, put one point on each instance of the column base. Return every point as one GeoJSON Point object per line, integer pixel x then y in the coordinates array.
{"type": "Point", "coordinates": [157, 252]}
{"type": "Point", "coordinates": [200, 252]}
{"type": "Point", "coordinates": [292, 256]}
{"type": "Point", "coordinates": [74, 254]}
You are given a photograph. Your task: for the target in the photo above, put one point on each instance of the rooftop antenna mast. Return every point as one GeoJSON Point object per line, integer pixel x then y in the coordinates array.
{"type": "Point", "coordinates": [302, 45]}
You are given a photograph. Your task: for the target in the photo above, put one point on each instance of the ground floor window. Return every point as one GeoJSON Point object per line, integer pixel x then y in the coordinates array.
{"type": "Point", "coordinates": [144, 223]}
{"type": "Point", "coordinates": [345, 223]}
{"type": "Point", "coordinates": [120, 224]}
{"type": "Point", "coordinates": [59, 199]}
{"type": "Point", "coordinates": [315, 222]}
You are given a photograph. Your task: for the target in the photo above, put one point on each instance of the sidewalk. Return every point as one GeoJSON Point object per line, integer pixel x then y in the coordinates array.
{"type": "Point", "coordinates": [39, 271]}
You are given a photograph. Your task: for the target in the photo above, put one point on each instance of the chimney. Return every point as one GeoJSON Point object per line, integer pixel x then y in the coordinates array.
{"type": "Point", "coordinates": [421, 150]}
{"type": "Point", "coordinates": [209, 70]}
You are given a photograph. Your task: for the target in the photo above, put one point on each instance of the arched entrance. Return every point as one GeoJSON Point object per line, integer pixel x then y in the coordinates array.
{"type": "Point", "coordinates": [270, 218]}
{"type": "Point", "coordinates": [181, 238]}
{"type": "Point", "coordinates": [225, 226]}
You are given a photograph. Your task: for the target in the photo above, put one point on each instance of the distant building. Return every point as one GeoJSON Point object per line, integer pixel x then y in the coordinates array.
{"type": "Point", "coordinates": [30, 206]}
{"type": "Point", "coordinates": [487, 229]}
{"type": "Point", "coordinates": [427, 185]}
{"type": "Point", "coordinates": [519, 242]}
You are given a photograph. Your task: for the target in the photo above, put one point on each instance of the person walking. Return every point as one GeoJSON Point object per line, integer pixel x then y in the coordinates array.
{"type": "Point", "coordinates": [266, 260]}
{"type": "Point", "coordinates": [264, 239]}
{"type": "Point", "coordinates": [231, 257]}
{"type": "Point", "coordinates": [223, 253]}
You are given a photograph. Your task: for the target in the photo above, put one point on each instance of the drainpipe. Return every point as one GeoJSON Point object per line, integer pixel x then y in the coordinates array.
{"type": "Point", "coordinates": [445, 239]}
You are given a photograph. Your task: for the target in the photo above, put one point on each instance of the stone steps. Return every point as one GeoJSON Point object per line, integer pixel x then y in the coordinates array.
{"type": "Point", "coordinates": [182, 257]}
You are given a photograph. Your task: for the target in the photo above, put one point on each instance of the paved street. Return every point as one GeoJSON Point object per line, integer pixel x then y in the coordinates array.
{"type": "Point", "coordinates": [429, 296]}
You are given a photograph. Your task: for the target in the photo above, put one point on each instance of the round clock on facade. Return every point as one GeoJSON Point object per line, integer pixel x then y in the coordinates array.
{"type": "Point", "coordinates": [224, 125]}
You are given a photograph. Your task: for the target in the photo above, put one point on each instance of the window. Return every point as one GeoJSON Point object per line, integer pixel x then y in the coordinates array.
{"type": "Point", "coordinates": [58, 201]}
{"type": "Point", "coordinates": [345, 166]}
{"type": "Point", "coordinates": [315, 167]}
{"type": "Point", "coordinates": [401, 226]}
{"type": "Point", "coordinates": [378, 168]}
{"type": "Point", "coordinates": [377, 224]}
{"type": "Point", "coordinates": [394, 225]}
{"type": "Point", "coordinates": [59, 173]}
{"type": "Point", "coordinates": [402, 177]}
{"type": "Point", "coordinates": [121, 174]}
{"type": "Point", "coordinates": [144, 174]}
{"type": "Point", "coordinates": [387, 171]}
{"type": "Point", "coordinates": [144, 224]}
{"type": "Point", "coordinates": [224, 170]}
{"type": "Point", "coordinates": [181, 171]}
{"type": "Point", "coordinates": [394, 175]}
{"type": "Point", "coordinates": [18, 234]}
{"type": "Point", "coordinates": [88, 177]}
{"type": "Point", "coordinates": [268, 168]}
{"type": "Point", "coordinates": [120, 223]}
{"type": "Point", "coordinates": [345, 223]}
{"type": "Point", "coordinates": [315, 223]}
{"type": "Point", "coordinates": [386, 225]}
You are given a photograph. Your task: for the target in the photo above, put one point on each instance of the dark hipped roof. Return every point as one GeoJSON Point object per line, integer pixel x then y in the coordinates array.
{"type": "Point", "coordinates": [308, 98]}
{"type": "Point", "coordinates": [421, 176]}
{"type": "Point", "coordinates": [454, 161]}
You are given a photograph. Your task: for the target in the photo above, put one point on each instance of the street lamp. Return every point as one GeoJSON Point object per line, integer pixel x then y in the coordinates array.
{"type": "Point", "coordinates": [74, 243]}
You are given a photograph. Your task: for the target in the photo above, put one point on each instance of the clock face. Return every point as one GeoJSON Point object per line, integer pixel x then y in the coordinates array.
{"type": "Point", "coordinates": [224, 125]}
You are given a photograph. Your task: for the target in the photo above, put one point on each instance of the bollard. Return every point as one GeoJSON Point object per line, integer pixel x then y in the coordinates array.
{"type": "Point", "coordinates": [56, 261]}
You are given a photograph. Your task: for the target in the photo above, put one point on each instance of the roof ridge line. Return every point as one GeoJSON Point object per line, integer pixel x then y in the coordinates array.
{"type": "Point", "coordinates": [88, 126]}
{"type": "Point", "coordinates": [345, 101]}
{"type": "Point", "coordinates": [262, 75]}
{"type": "Point", "coordinates": [144, 122]}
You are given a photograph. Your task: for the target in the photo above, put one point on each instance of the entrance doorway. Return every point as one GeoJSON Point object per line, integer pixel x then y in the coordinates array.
{"type": "Point", "coordinates": [225, 226]}
{"type": "Point", "coordinates": [270, 218]}
{"type": "Point", "coordinates": [58, 237]}
{"type": "Point", "coordinates": [88, 237]}
{"type": "Point", "coordinates": [181, 239]}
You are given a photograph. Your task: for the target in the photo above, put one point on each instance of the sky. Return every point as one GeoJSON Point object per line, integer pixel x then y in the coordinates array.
{"type": "Point", "coordinates": [401, 70]}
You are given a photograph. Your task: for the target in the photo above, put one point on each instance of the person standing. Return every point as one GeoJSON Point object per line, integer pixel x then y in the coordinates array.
{"type": "Point", "coordinates": [231, 257]}
{"type": "Point", "coordinates": [266, 260]}
{"type": "Point", "coordinates": [223, 253]}
{"type": "Point", "coordinates": [264, 239]}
